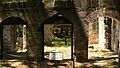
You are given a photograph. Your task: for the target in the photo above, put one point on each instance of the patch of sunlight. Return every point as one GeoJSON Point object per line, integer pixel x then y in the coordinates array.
{"type": "Point", "coordinates": [12, 60]}
{"type": "Point", "coordinates": [100, 63]}
{"type": "Point", "coordinates": [13, 64]}
{"type": "Point", "coordinates": [24, 50]}
{"type": "Point", "coordinates": [112, 56]}
{"type": "Point", "coordinates": [77, 64]}
{"type": "Point", "coordinates": [5, 67]}
{"type": "Point", "coordinates": [18, 64]}
{"type": "Point", "coordinates": [104, 50]}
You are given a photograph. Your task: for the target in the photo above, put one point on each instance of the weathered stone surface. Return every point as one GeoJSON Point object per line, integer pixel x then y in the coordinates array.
{"type": "Point", "coordinates": [80, 15]}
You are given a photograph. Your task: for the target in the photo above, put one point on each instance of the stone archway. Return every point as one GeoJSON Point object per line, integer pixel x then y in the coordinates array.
{"type": "Point", "coordinates": [114, 16]}
{"type": "Point", "coordinates": [101, 14]}
{"type": "Point", "coordinates": [12, 35]}
{"type": "Point", "coordinates": [57, 22]}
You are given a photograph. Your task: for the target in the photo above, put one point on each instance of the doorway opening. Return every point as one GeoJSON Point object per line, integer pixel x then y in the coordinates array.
{"type": "Point", "coordinates": [58, 41]}
{"type": "Point", "coordinates": [13, 39]}
{"type": "Point", "coordinates": [102, 41]}
{"type": "Point", "coordinates": [57, 38]}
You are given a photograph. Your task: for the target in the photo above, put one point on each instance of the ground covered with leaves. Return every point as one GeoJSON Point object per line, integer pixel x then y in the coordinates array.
{"type": "Point", "coordinates": [97, 59]}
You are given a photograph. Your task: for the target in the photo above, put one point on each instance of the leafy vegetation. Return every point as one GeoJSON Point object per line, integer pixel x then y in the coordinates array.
{"type": "Point", "coordinates": [61, 41]}
{"type": "Point", "coordinates": [61, 34]}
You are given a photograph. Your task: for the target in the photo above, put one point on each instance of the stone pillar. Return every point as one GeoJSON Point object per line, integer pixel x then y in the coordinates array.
{"type": "Point", "coordinates": [116, 38]}
{"type": "Point", "coordinates": [80, 43]}
{"type": "Point", "coordinates": [1, 42]}
{"type": "Point", "coordinates": [105, 32]}
{"type": "Point", "coordinates": [108, 22]}
{"type": "Point", "coordinates": [113, 35]}
{"type": "Point", "coordinates": [24, 37]}
{"type": "Point", "coordinates": [13, 38]}
{"type": "Point", "coordinates": [9, 38]}
{"type": "Point", "coordinates": [101, 32]}
{"type": "Point", "coordinates": [119, 48]}
{"type": "Point", "coordinates": [48, 33]}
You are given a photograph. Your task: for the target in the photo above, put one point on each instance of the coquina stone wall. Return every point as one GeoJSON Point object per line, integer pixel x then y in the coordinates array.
{"type": "Point", "coordinates": [81, 13]}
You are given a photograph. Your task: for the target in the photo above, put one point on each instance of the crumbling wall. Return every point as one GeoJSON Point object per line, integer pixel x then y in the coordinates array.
{"type": "Point", "coordinates": [115, 37]}
{"type": "Point", "coordinates": [93, 33]}
{"type": "Point", "coordinates": [48, 35]}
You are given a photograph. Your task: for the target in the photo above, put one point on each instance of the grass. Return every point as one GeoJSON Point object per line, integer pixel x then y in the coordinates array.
{"type": "Point", "coordinates": [60, 42]}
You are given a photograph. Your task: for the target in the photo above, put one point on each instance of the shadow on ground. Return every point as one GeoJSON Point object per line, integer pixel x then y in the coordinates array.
{"type": "Point", "coordinates": [15, 60]}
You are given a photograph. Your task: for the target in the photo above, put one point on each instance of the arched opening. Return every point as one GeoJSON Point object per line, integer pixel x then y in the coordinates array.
{"type": "Point", "coordinates": [13, 38]}
{"type": "Point", "coordinates": [58, 40]}
{"type": "Point", "coordinates": [103, 38]}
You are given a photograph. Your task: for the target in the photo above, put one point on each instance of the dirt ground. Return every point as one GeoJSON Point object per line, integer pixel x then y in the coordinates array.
{"type": "Point", "coordinates": [97, 59]}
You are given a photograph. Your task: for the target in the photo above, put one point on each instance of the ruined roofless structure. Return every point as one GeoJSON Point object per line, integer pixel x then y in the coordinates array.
{"type": "Point", "coordinates": [80, 13]}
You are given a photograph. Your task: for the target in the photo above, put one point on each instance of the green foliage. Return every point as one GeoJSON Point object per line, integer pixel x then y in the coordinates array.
{"type": "Point", "coordinates": [61, 35]}
{"type": "Point", "coordinates": [62, 31]}
{"type": "Point", "coordinates": [59, 42]}
{"type": "Point", "coordinates": [19, 31]}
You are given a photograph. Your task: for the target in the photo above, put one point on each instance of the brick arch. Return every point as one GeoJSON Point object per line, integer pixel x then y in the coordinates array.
{"type": "Point", "coordinates": [114, 14]}
{"type": "Point", "coordinates": [13, 21]}
{"type": "Point", "coordinates": [9, 21]}
{"type": "Point", "coordinates": [56, 19]}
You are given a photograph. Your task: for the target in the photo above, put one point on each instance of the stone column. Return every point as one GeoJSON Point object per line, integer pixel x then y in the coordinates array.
{"type": "Point", "coordinates": [9, 38]}
{"type": "Point", "coordinates": [108, 22]}
{"type": "Point", "coordinates": [24, 37]}
{"type": "Point", "coordinates": [119, 48]}
{"type": "Point", "coordinates": [105, 32]}
{"type": "Point", "coordinates": [80, 42]}
{"type": "Point", "coordinates": [13, 38]}
{"type": "Point", "coordinates": [101, 33]}
{"type": "Point", "coordinates": [48, 33]}
{"type": "Point", "coordinates": [116, 38]}
{"type": "Point", "coordinates": [113, 31]}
